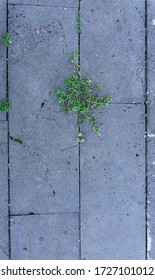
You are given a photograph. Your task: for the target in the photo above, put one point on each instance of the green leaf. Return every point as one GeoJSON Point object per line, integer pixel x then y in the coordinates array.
{"type": "Point", "coordinates": [16, 139]}
{"type": "Point", "coordinates": [6, 39]}
{"type": "Point", "coordinates": [80, 138]}
{"type": "Point", "coordinates": [5, 105]}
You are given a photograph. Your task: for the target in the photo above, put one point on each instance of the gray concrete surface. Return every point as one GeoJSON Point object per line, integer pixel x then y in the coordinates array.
{"type": "Point", "coordinates": [4, 248]}
{"type": "Point", "coordinates": [113, 186]}
{"type": "Point", "coordinates": [113, 171]}
{"type": "Point", "coordinates": [57, 210]}
{"type": "Point", "coordinates": [113, 47]}
{"type": "Point", "coordinates": [151, 129]}
{"type": "Point", "coordinates": [2, 55]}
{"type": "Point", "coordinates": [49, 153]}
{"type": "Point", "coordinates": [47, 237]}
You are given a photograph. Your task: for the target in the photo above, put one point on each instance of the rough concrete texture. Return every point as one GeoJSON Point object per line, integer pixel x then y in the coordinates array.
{"type": "Point", "coordinates": [44, 169]}
{"type": "Point", "coordinates": [151, 129]}
{"type": "Point", "coordinates": [46, 237]}
{"type": "Point", "coordinates": [2, 55]}
{"type": "Point", "coordinates": [57, 3]}
{"type": "Point", "coordinates": [113, 186]}
{"type": "Point", "coordinates": [3, 192]}
{"type": "Point", "coordinates": [151, 200]}
{"type": "Point", "coordinates": [113, 47]}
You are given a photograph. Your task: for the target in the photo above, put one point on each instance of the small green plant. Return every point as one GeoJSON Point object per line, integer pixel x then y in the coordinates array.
{"type": "Point", "coordinates": [6, 39]}
{"type": "Point", "coordinates": [79, 27]}
{"type": "Point", "coordinates": [5, 105]}
{"type": "Point", "coordinates": [74, 58]}
{"type": "Point", "coordinates": [16, 139]}
{"type": "Point", "coordinates": [81, 96]}
{"type": "Point", "coordinates": [80, 138]}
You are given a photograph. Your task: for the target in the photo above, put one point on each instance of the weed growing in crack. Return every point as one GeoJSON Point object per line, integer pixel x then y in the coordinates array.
{"type": "Point", "coordinates": [5, 105]}
{"type": "Point", "coordinates": [80, 138]}
{"type": "Point", "coordinates": [83, 97]}
{"type": "Point", "coordinates": [6, 40]}
{"type": "Point", "coordinates": [16, 139]}
{"type": "Point", "coordinates": [79, 27]}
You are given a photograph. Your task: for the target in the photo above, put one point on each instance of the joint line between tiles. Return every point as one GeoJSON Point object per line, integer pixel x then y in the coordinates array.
{"type": "Point", "coordinates": [7, 118]}
{"type": "Point", "coordinates": [42, 214]}
{"type": "Point", "coordinates": [79, 64]}
{"type": "Point", "coordinates": [146, 130]}
{"type": "Point", "coordinates": [33, 5]}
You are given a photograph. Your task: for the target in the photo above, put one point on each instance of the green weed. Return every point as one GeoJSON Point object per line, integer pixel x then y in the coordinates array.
{"type": "Point", "coordinates": [16, 139]}
{"type": "Point", "coordinates": [74, 58]}
{"type": "Point", "coordinates": [80, 138]}
{"type": "Point", "coordinates": [6, 39]}
{"type": "Point", "coordinates": [5, 105]}
{"type": "Point", "coordinates": [83, 97]}
{"type": "Point", "coordinates": [79, 27]}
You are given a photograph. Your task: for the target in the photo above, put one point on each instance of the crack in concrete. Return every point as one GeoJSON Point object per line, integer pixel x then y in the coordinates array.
{"type": "Point", "coordinates": [52, 120]}
{"type": "Point", "coordinates": [69, 148]}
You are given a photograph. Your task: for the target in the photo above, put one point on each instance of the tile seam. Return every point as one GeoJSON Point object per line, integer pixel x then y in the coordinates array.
{"type": "Point", "coordinates": [146, 129]}
{"type": "Point", "coordinates": [79, 65]}
{"type": "Point", "coordinates": [33, 5]}
{"type": "Point", "coordinates": [7, 118]}
{"type": "Point", "coordinates": [43, 214]}
{"type": "Point", "coordinates": [128, 103]}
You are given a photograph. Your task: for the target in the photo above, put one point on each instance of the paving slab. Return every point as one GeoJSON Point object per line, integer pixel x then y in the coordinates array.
{"type": "Point", "coordinates": [151, 130]}
{"type": "Point", "coordinates": [46, 237]}
{"type": "Point", "coordinates": [4, 192]}
{"type": "Point", "coordinates": [3, 132]}
{"type": "Point", "coordinates": [2, 55]}
{"type": "Point", "coordinates": [151, 200]}
{"type": "Point", "coordinates": [65, 3]}
{"type": "Point", "coordinates": [113, 47]}
{"type": "Point", "coordinates": [113, 186]}
{"type": "Point", "coordinates": [44, 169]}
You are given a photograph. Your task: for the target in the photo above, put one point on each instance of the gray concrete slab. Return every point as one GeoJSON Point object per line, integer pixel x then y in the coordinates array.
{"type": "Point", "coordinates": [46, 237]}
{"type": "Point", "coordinates": [3, 192]}
{"type": "Point", "coordinates": [2, 55]}
{"type": "Point", "coordinates": [151, 200]}
{"type": "Point", "coordinates": [44, 169]}
{"type": "Point", "coordinates": [65, 3]}
{"type": "Point", "coordinates": [113, 47]}
{"type": "Point", "coordinates": [151, 130]}
{"type": "Point", "coordinates": [3, 130]}
{"type": "Point", "coordinates": [113, 186]}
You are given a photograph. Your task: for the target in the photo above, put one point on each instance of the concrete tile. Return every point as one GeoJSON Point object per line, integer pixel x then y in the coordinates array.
{"type": "Point", "coordinates": [151, 200]}
{"type": "Point", "coordinates": [3, 192]}
{"type": "Point", "coordinates": [3, 132]}
{"type": "Point", "coordinates": [57, 3]}
{"type": "Point", "coordinates": [151, 130]}
{"type": "Point", "coordinates": [44, 169]}
{"type": "Point", "coordinates": [113, 47]}
{"type": "Point", "coordinates": [46, 237]}
{"type": "Point", "coordinates": [151, 56]}
{"type": "Point", "coordinates": [151, 66]}
{"type": "Point", "coordinates": [113, 186]}
{"type": "Point", "coordinates": [2, 55]}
